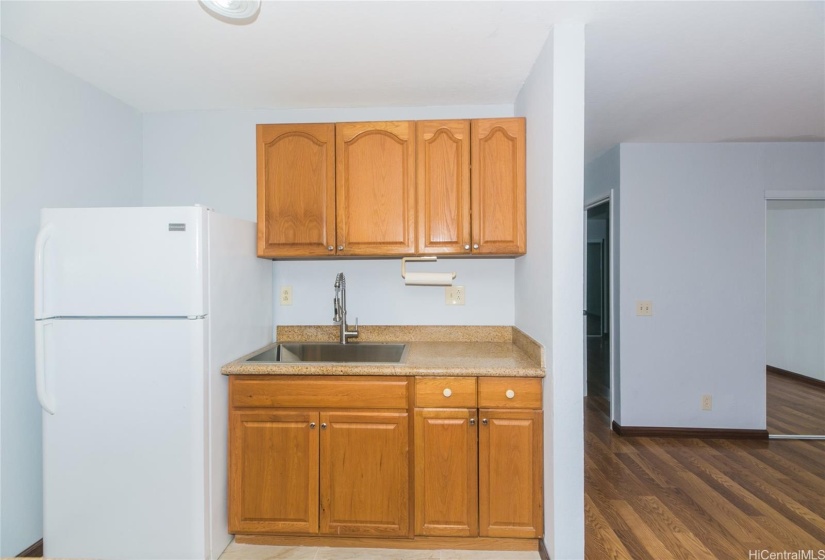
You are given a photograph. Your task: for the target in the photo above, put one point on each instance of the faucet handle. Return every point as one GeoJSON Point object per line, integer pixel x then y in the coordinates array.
{"type": "Point", "coordinates": [356, 324]}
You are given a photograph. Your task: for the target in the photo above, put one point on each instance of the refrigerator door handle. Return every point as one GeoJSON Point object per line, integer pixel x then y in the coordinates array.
{"type": "Point", "coordinates": [46, 402]}
{"type": "Point", "coordinates": [39, 247]}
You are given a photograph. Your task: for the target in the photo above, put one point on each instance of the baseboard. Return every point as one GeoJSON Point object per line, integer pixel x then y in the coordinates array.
{"type": "Point", "coordinates": [543, 550]}
{"type": "Point", "coordinates": [34, 551]}
{"type": "Point", "coordinates": [700, 433]}
{"type": "Point", "coordinates": [797, 376]}
{"type": "Point", "coordinates": [419, 543]}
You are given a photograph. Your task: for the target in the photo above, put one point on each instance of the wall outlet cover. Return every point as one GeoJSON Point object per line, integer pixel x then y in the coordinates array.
{"type": "Point", "coordinates": [285, 295]}
{"type": "Point", "coordinates": [454, 295]}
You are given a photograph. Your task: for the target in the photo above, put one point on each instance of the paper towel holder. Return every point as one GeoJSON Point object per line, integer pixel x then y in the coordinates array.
{"type": "Point", "coordinates": [405, 260]}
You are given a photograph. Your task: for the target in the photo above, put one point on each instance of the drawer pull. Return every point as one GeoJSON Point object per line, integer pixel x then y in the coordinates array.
{"type": "Point", "coordinates": [312, 425]}
{"type": "Point", "coordinates": [323, 425]}
{"type": "Point", "coordinates": [484, 421]}
{"type": "Point", "coordinates": [472, 421]}
{"type": "Point", "coordinates": [447, 392]}
{"type": "Point", "coordinates": [510, 393]}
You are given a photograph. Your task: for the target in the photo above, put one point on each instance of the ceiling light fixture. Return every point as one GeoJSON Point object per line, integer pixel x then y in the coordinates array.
{"type": "Point", "coordinates": [232, 11]}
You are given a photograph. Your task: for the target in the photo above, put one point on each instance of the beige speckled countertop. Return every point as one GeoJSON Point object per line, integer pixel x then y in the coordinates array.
{"type": "Point", "coordinates": [439, 351]}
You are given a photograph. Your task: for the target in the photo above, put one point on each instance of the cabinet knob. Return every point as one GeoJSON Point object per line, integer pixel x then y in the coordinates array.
{"type": "Point", "coordinates": [447, 392]}
{"type": "Point", "coordinates": [323, 425]}
{"type": "Point", "coordinates": [472, 421]}
{"type": "Point", "coordinates": [330, 248]}
{"type": "Point", "coordinates": [484, 421]}
{"type": "Point", "coordinates": [467, 247]}
{"type": "Point", "coordinates": [475, 245]}
{"type": "Point", "coordinates": [312, 425]}
{"type": "Point", "coordinates": [510, 393]}
{"type": "Point", "coordinates": [340, 247]}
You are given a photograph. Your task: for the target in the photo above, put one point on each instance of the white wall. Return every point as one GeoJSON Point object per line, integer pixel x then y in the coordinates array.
{"type": "Point", "coordinates": [693, 242]}
{"type": "Point", "coordinates": [796, 286]}
{"type": "Point", "coordinates": [549, 279]}
{"type": "Point", "coordinates": [208, 157]}
{"type": "Point", "coordinates": [64, 143]}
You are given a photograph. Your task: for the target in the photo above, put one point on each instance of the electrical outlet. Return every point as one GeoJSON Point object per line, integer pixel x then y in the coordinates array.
{"type": "Point", "coordinates": [285, 295]}
{"type": "Point", "coordinates": [707, 402]}
{"type": "Point", "coordinates": [454, 295]}
{"type": "Point", "coordinates": [644, 308]}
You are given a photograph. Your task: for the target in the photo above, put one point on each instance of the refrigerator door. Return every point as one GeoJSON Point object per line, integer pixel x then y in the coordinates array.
{"type": "Point", "coordinates": [121, 262]}
{"type": "Point", "coordinates": [124, 454]}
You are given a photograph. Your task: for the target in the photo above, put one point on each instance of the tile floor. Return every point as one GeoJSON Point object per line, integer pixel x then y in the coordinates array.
{"type": "Point", "coordinates": [259, 552]}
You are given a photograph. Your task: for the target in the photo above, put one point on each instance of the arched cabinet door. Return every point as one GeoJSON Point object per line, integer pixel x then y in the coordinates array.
{"type": "Point", "coordinates": [443, 180]}
{"type": "Point", "coordinates": [296, 190]}
{"type": "Point", "coordinates": [498, 186]}
{"type": "Point", "coordinates": [375, 188]}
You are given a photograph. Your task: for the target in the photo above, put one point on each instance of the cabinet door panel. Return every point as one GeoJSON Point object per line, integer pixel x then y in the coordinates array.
{"type": "Point", "coordinates": [446, 473]}
{"type": "Point", "coordinates": [375, 176]}
{"type": "Point", "coordinates": [273, 472]}
{"type": "Point", "coordinates": [510, 474]}
{"type": "Point", "coordinates": [296, 190]}
{"type": "Point", "coordinates": [443, 182]}
{"type": "Point", "coordinates": [365, 474]}
{"type": "Point", "coordinates": [498, 186]}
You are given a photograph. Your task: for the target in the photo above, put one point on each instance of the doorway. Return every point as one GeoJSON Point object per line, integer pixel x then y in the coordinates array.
{"type": "Point", "coordinates": [795, 313]}
{"type": "Point", "coordinates": [597, 306]}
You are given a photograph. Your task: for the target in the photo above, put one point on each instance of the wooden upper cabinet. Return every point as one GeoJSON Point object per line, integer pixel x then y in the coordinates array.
{"type": "Point", "coordinates": [443, 179]}
{"type": "Point", "coordinates": [498, 186]}
{"type": "Point", "coordinates": [296, 190]}
{"type": "Point", "coordinates": [375, 188]}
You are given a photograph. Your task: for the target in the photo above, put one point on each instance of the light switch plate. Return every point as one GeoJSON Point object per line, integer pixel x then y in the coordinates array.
{"type": "Point", "coordinates": [644, 308]}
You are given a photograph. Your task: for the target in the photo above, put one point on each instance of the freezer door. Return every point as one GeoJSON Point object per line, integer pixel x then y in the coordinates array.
{"type": "Point", "coordinates": [121, 262]}
{"type": "Point", "coordinates": [124, 452]}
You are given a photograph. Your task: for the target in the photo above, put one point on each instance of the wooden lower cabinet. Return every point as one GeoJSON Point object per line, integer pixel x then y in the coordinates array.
{"type": "Point", "coordinates": [510, 473]}
{"type": "Point", "coordinates": [273, 472]}
{"type": "Point", "coordinates": [361, 460]}
{"type": "Point", "coordinates": [365, 474]}
{"type": "Point", "coordinates": [446, 472]}
{"type": "Point", "coordinates": [316, 469]}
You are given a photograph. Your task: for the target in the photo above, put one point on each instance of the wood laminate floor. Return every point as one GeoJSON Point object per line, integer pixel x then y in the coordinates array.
{"type": "Point", "coordinates": [669, 498]}
{"type": "Point", "coordinates": [794, 407]}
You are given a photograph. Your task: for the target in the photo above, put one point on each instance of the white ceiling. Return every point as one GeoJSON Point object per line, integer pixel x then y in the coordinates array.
{"type": "Point", "coordinates": [655, 71]}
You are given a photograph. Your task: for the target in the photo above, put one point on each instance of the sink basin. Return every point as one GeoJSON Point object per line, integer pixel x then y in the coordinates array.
{"type": "Point", "coordinates": [355, 352]}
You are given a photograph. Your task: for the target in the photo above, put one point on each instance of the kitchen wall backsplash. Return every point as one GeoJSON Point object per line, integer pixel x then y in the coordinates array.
{"type": "Point", "coordinates": [376, 293]}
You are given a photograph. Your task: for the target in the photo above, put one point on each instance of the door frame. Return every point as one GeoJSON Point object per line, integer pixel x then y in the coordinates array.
{"type": "Point", "coordinates": [611, 277]}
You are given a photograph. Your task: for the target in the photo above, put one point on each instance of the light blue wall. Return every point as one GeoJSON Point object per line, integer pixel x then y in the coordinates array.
{"type": "Point", "coordinates": [693, 242]}
{"type": "Point", "coordinates": [208, 157]}
{"type": "Point", "coordinates": [549, 279]}
{"type": "Point", "coordinates": [64, 143]}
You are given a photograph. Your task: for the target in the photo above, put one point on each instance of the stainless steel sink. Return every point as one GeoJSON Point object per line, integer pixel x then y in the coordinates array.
{"type": "Point", "coordinates": [354, 352]}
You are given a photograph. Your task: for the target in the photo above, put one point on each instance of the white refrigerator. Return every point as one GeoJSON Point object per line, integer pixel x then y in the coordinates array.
{"type": "Point", "coordinates": [136, 309]}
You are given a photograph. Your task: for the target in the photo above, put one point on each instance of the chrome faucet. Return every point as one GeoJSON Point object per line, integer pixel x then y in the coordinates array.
{"type": "Point", "coordinates": [340, 303]}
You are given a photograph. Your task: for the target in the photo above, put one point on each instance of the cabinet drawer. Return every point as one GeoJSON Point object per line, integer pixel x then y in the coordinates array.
{"type": "Point", "coordinates": [509, 392]}
{"type": "Point", "coordinates": [445, 392]}
{"type": "Point", "coordinates": [319, 392]}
